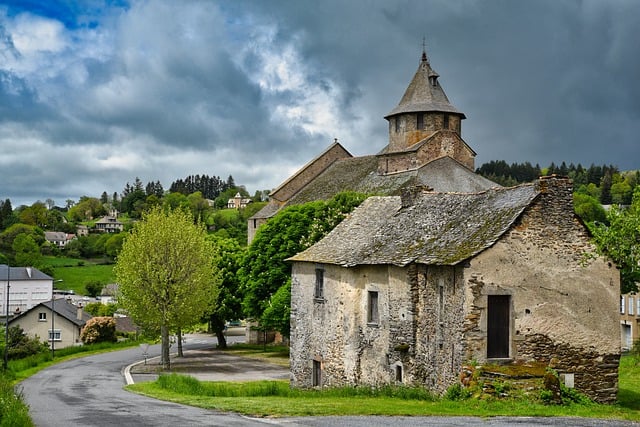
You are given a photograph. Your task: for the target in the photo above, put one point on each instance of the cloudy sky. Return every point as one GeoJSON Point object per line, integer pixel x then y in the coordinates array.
{"type": "Point", "coordinates": [95, 93]}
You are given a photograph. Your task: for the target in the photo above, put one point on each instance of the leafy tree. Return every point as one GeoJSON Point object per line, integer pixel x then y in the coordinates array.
{"type": "Point", "coordinates": [588, 208]}
{"type": "Point", "coordinates": [99, 309]}
{"type": "Point", "coordinates": [620, 240]}
{"type": "Point", "coordinates": [86, 209]}
{"type": "Point", "coordinates": [292, 230]}
{"type": "Point", "coordinates": [27, 252]}
{"type": "Point", "coordinates": [93, 288]}
{"type": "Point", "coordinates": [35, 214]}
{"type": "Point", "coordinates": [277, 315]}
{"type": "Point", "coordinates": [228, 304]}
{"type": "Point", "coordinates": [8, 236]}
{"type": "Point", "coordinates": [166, 273]}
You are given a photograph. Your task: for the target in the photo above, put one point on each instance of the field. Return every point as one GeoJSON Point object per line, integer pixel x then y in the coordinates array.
{"type": "Point", "coordinates": [75, 273]}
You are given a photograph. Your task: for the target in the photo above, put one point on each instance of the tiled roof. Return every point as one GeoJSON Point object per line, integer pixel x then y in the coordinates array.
{"type": "Point", "coordinates": [438, 228]}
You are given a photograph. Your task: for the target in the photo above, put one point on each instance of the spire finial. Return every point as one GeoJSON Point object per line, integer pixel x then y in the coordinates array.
{"type": "Point", "coordinates": [424, 50]}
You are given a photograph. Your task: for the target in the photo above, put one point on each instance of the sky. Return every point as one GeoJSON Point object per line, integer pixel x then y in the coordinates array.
{"type": "Point", "coordinates": [95, 93]}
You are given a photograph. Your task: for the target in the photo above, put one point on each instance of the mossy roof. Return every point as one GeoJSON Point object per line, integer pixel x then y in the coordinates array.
{"type": "Point", "coordinates": [437, 229]}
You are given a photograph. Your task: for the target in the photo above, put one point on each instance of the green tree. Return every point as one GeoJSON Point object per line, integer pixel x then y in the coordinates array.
{"type": "Point", "coordinates": [228, 304]}
{"type": "Point", "coordinates": [93, 287]}
{"type": "Point", "coordinates": [292, 230]}
{"type": "Point", "coordinates": [277, 315]}
{"type": "Point", "coordinates": [166, 273]}
{"type": "Point", "coordinates": [588, 208]}
{"type": "Point", "coordinates": [619, 239]}
{"type": "Point", "coordinates": [27, 251]}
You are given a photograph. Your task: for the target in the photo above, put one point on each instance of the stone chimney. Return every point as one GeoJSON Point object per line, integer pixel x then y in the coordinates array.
{"type": "Point", "coordinates": [408, 195]}
{"type": "Point", "coordinates": [555, 203]}
{"type": "Point", "coordinates": [79, 312]}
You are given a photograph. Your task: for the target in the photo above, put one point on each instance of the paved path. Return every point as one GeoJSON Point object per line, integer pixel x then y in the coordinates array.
{"type": "Point", "coordinates": [89, 392]}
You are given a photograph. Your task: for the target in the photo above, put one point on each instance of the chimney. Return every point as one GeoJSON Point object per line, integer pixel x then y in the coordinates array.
{"type": "Point", "coordinates": [79, 312]}
{"type": "Point", "coordinates": [408, 195]}
{"type": "Point", "coordinates": [556, 202]}
{"type": "Point", "coordinates": [28, 271]}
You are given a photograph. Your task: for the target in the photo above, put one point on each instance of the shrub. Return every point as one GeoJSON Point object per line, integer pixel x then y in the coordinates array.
{"type": "Point", "coordinates": [99, 329]}
{"type": "Point", "coordinates": [21, 345]}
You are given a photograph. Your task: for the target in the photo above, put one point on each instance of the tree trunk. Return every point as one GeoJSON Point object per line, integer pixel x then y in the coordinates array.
{"type": "Point", "coordinates": [222, 340]}
{"type": "Point", "coordinates": [164, 358]}
{"type": "Point", "coordinates": [179, 338]}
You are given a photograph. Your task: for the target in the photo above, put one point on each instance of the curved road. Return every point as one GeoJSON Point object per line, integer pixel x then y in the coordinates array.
{"type": "Point", "coordinates": [89, 392]}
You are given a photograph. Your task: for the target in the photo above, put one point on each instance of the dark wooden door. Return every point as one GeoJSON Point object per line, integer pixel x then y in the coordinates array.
{"type": "Point", "coordinates": [498, 320]}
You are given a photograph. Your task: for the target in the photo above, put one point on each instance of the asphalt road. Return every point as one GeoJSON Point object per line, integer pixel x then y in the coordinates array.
{"type": "Point", "coordinates": [89, 392]}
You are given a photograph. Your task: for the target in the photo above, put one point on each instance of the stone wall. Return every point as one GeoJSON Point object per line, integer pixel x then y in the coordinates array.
{"type": "Point", "coordinates": [440, 144]}
{"type": "Point", "coordinates": [595, 374]}
{"type": "Point", "coordinates": [564, 297]}
{"type": "Point", "coordinates": [408, 133]}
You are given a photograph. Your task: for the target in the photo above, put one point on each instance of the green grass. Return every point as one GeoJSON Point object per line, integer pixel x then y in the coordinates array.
{"type": "Point", "coordinates": [75, 273]}
{"type": "Point", "coordinates": [275, 398]}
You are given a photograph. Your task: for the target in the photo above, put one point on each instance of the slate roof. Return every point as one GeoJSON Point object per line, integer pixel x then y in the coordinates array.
{"type": "Point", "coordinates": [21, 273]}
{"type": "Point", "coordinates": [62, 308]}
{"type": "Point", "coordinates": [422, 95]}
{"type": "Point", "coordinates": [438, 229]}
{"type": "Point", "coordinates": [360, 174]}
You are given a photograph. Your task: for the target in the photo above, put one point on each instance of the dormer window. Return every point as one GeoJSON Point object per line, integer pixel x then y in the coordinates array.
{"type": "Point", "coordinates": [433, 80]}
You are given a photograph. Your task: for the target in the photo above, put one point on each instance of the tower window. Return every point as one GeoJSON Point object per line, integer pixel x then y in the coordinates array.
{"type": "Point", "coordinates": [397, 124]}
{"type": "Point", "coordinates": [420, 121]}
{"type": "Point", "coordinates": [446, 121]}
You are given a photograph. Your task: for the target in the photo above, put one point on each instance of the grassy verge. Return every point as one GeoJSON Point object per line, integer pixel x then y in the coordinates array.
{"type": "Point", "coordinates": [276, 399]}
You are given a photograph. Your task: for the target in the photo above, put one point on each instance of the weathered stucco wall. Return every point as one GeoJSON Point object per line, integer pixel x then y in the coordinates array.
{"type": "Point", "coordinates": [564, 297]}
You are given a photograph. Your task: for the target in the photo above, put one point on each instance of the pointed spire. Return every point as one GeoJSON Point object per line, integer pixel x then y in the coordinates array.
{"type": "Point", "coordinates": [424, 93]}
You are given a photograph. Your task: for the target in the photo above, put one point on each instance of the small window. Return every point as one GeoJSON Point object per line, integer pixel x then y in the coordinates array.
{"type": "Point", "coordinates": [420, 121]}
{"type": "Point", "coordinates": [637, 306]}
{"type": "Point", "coordinates": [42, 317]}
{"type": "Point", "coordinates": [56, 335]}
{"type": "Point", "coordinates": [399, 373]}
{"type": "Point", "coordinates": [317, 374]}
{"type": "Point", "coordinates": [446, 121]}
{"type": "Point", "coordinates": [372, 310]}
{"type": "Point", "coordinates": [397, 124]}
{"type": "Point", "coordinates": [319, 291]}
{"type": "Point", "coordinates": [621, 305]}
{"type": "Point", "coordinates": [631, 304]}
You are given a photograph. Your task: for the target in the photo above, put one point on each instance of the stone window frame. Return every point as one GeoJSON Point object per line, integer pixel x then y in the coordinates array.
{"type": "Point", "coordinates": [373, 307]}
{"type": "Point", "coordinates": [398, 372]}
{"type": "Point", "coordinates": [316, 372]}
{"type": "Point", "coordinates": [318, 291]}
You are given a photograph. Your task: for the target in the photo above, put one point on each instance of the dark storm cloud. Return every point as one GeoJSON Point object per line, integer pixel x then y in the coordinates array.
{"type": "Point", "coordinates": [255, 89]}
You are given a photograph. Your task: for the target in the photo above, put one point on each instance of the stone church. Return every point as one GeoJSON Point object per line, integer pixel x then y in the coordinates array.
{"type": "Point", "coordinates": [425, 148]}
{"type": "Point", "coordinates": [445, 267]}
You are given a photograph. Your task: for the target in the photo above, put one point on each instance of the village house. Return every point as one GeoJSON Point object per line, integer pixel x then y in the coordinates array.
{"type": "Point", "coordinates": [63, 331]}
{"type": "Point", "coordinates": [443, 268]}
{"type": "Point", "coordinates": [28, 287]}
{"type": "Point", "coordinates": [58, 238]}
{"type": "Point", "coordinates": [238, 202]}
{"type": "Point", "coordinates": [109, 224]}
{"type": "Point", "coordinates": [410, 289]}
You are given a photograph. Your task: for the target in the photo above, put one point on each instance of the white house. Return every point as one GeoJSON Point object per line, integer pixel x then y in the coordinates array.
{"type": "Point", "coordinates": [28, 287]}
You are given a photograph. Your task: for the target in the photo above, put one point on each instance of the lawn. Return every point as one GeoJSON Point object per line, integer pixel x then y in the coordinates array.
{"type": "Point", "coordinates": [75, 273]}
{"type": "Point", "coordinates": [276, 399]}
